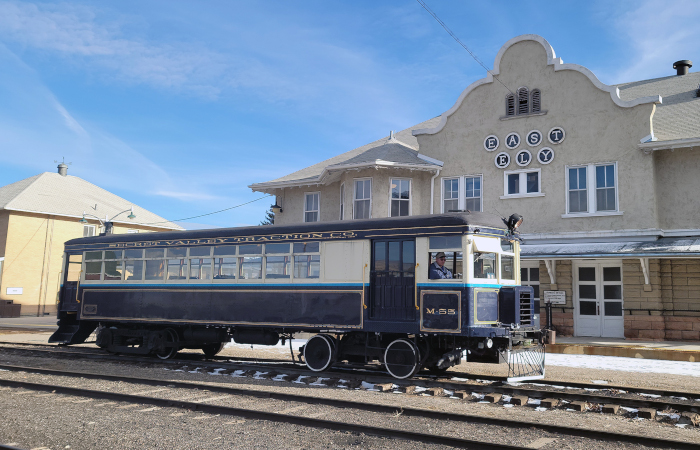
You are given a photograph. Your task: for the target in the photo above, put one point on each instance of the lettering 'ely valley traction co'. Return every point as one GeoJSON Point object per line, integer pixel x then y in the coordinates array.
{"type": "Point", "coordinates": [239, 239]}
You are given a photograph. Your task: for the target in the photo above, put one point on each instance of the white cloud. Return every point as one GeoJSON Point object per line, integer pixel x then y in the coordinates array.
{"type": "Point", "coordinates": [660, 33]}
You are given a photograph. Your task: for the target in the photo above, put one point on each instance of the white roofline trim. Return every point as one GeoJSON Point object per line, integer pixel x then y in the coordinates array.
{"type": "Point", "coordinates": [552, 60]}
{"type": "Point", "coordinates": [93, 219]}
{"type": "Point", "coordinates": [649, 147]}
{"type": "Point", "coordinates": [265, 187]}
{"type": "Point", "coordinates": [437, 162]}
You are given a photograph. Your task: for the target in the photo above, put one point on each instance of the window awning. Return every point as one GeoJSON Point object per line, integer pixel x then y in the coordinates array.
{"type": "Point", "coordinates": [661, 248]}
{"type": "Point", "coordinates": [488, 245]}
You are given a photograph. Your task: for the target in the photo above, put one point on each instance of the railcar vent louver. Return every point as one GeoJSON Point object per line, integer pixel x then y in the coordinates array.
{"type": "Point", "coordinates": [525, 308]}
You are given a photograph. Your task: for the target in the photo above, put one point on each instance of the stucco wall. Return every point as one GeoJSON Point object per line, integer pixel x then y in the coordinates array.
{"type": "Point", "coordinates": [677, 185]}
{"type": "Point", "coordinates": [292, 200]}
{"type": "Point", "coordinates": [597, 130]}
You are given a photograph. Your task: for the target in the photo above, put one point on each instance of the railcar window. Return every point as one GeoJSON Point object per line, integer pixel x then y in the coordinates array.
{"type": "Point", "coordinates": [93, 270]}
{"type": "Point", "coordinates": [307, 266]}
{"type": "Point", "coordinates": [177, 269]}
{"type": "Point", "coordinates": [445, 242]}
{"type": "Point", "coordinates": [113, 266]}
{"type": "Point", "coordinates": [225, 268]}
{"type": "Point", "coordinates": [277, 267]}
{"type": "Point", "coordinates": [133, 270]}
{"type": "Point", "coordinates": [452, 247]}
{"type": "Point", "coordinates": [201, 262]}
{"type": "Point", "coordinates": [409, 257]}
{"type": "Point", "coordinates": [154, 268]}
{"type": "Point", "coordinates": [484, 265]}
{"type": "Point", "coordinates": [250, 249]}
{"type": "Point", "coordinates": [155, 253]}
{"type": "Point", "coordinates": [380, 256]}
{"type": "Point", "coordinates": [133, 253]}
{"type": "Point", "coordinates": [276, 248]}
{"type": "Point", "coordinates": [251, 267]}
{"type": "Point", "coordinates": [91, 256]}
{"type": "Point", "coordinates": [225, 250]}
{"type": "Point", "coordinates": [507, 267]}
{"type": "Point", "coordinates": [74, 266]}
{"type": "Point", "coordinates": [177, 252]}
{"type": "Point", "coordinates": [306, 247]}
{"type": "Point", "coordinates": [507, 246]}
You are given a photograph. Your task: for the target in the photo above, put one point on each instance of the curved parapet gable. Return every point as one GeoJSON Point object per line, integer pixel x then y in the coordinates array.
{"type": "Point", "coordinates": [552, 60]}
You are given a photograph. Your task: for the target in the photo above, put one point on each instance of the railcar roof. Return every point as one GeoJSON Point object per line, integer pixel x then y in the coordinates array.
{"type": "Point", "coordinates": [471, 219]}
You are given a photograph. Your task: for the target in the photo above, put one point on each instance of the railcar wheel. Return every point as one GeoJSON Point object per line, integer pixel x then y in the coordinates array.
{"type": "Point", "coordinates": [167, 347]}
{"type": "Point", "coordinates": [318, 352]}
{"type": "Point", "coordinates": [401, 358]}
{"type": "Point", "coordinates": [211, 350]}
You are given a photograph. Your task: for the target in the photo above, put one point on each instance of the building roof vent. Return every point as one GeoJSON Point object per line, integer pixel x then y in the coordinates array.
{"type": "Point", "coordinates": [682, 66]}
{"type": "Point", "coordinates": [63, 169]}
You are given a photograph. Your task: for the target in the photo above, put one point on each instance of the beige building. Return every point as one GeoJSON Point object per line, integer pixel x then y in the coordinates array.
{"type": "Point", "coordinates": [605, 176]}
{"type": "Point", "coordinates": [40, 213]}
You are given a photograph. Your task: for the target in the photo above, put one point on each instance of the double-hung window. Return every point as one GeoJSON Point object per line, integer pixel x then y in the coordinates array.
{"type": "Point", "coordinates": [400, 197]}
{"type": "Point", "coordinates": [591, 190]}
{"type": "Point", "coordinates": [522, 183]}
{"type": "Point", "coordinates": [311, 207]}
{"type": "Point", "coordinates": [362, 205]}
{"type": "Point", "coordinates": [462, 193]}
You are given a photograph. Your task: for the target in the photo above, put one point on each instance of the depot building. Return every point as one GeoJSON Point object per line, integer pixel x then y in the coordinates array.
{"type": "Point", "coordinates": [606, 178]}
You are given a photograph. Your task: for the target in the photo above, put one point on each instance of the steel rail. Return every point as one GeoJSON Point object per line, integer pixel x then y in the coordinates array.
{"type": "Point", "coordinates": [270, 416]}
{"type": "Point", "coordinates": [379, 378]}
{"type": "Point", "coordinates": [352, 404]}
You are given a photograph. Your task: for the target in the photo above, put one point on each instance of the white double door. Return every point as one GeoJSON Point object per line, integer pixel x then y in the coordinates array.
{"type": "Point", "coordinates": [598, 303]}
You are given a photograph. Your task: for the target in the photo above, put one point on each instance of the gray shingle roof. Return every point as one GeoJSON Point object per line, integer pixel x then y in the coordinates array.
{"type": "Point", "coordinates": [678, 116]}
{"type": "Point", "coordinates": [312, 173]}
{"type": "Point", "coordinates": [52, 193]}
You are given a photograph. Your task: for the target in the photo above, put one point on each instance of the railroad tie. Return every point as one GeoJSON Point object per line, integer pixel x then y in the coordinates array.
{"type": "Point", "coordinates": [611, 409]}
{"type": "Point", "coordinates": [408, 389]}
{"type": "Point", "coordinates": [436, 391]}
{"type": "Point", "coordinates": [519, 400]}
{"type": "Point", "coordinates": [646, 413]}
{"type": "Point", "coordinates": [690, 418]}
{"type": "Point", "coordinates": [579, 406]}
{"type": "Point", "coordinates": [493, 397]}
{"type": "Point", "coordinates": [384, 387]}
{"type": "Point", "coordinates": [549, 403]}
{"type": "Point", "coordinates": [462, 395]}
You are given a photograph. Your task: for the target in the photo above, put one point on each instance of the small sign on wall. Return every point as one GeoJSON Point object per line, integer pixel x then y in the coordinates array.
{"type": "Point", "coordinates": [555, 297]}
{"type": "Point", "coordinates": [14, 291]}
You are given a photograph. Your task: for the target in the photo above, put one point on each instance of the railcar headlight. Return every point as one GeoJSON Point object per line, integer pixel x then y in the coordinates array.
{"type": "Point", "coordinates": [514, 221]}
{"type": "Point", "coordinates": [489, 343]}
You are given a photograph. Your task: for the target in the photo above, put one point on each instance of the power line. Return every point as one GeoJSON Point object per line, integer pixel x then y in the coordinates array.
{"type": "Point", "coordinates": [208, 214]}
{"type": "Point", "coordinates": [422, 3]}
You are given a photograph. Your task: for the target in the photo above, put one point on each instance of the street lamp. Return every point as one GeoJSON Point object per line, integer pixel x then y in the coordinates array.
{"type": "Point", "coordinates": [108, 223]}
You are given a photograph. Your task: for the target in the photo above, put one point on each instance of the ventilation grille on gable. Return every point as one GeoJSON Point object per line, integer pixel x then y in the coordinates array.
{"type": "Point", "coordinates": [536, 101]}
{"type": "Point", "coordinates": [523, 106]}
{"type": "Point", "coordinates": [510, 105]}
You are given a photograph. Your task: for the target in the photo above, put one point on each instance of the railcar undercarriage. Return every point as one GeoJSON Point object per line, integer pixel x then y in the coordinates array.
{"type": "Point", "coordinates": [402, 355]}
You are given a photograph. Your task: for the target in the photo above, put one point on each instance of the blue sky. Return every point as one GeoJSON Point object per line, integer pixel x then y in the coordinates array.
{"type": "Point", "coordinates": [179, 106]}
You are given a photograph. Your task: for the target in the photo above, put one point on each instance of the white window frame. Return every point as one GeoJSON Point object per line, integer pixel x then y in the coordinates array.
{"type": "Point", "coordinates": [342, 201]}
{"type": "Point", "coordinates": [461, 191]}
{"type": "Point", "coordinates": [591, 191]}
{"type": "Point", "coordinates": [318, 211]}
{"type": "Point", "coordinates": [355, 199]}
{"type": "Point", "coordinates": [410, 196]}
{"type": "Point", "coordinates": [523, 184]}
{"type": "Point", "coordinates": [89, 227]}
{"type": "Point", "coordinates": [530, 264]}
{"type": "Point", "coordinates": [463, 196]}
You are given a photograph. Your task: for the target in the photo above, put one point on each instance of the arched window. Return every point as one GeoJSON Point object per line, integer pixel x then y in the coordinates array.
{"type": "Point", "coordinates": [523, 101]}
{"type": "Point", "coordinates": [510, 105]}
{"type": "Point", "coordinates": [535, 101]}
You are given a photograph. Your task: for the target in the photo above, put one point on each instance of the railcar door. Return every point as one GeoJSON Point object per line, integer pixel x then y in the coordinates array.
{"type": "Point", "coordinates": [71, 281]}
{"type": "Point", "coordinates": [392, 280]}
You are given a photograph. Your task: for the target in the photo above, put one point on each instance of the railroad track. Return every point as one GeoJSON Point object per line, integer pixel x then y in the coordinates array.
{"type": "Point", "coordinates": [297, 402]}
{"type": "Point", "coordinates": [587, 396]}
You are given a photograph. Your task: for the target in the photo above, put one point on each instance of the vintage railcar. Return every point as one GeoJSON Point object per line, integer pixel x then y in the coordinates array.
{"type": "Point", "coordinates": [362, 287]}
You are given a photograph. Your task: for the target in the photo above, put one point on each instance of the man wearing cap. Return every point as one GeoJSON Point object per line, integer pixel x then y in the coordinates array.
{"type": "Point", "coordinates": [437, 269]}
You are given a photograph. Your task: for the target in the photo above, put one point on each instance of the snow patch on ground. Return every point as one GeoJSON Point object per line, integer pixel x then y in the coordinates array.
{"type": "Point", "coordinates": [216, 371]}
{"type": "Point", "coordinates": [624, 364]}
{"type": "Point", "coordinates": [238, 374]}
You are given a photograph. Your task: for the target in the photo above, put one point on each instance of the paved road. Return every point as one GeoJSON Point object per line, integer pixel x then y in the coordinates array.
{"type": "Point", "coordinates": [45, 323]}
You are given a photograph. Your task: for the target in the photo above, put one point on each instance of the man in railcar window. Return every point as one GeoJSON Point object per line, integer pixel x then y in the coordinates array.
{"type": "Point", "coordinates": [438, 271]}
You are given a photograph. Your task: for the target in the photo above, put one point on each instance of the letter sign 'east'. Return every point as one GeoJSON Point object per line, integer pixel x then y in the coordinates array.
{"type": "Point", "coordinates": [512, 140]}
{"type": "Point", "coordinates": [491, 143]}
{"type": "Point", "coordinates": [534, 138]}
{"type": "Point", "coordinates": [556, 135]}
